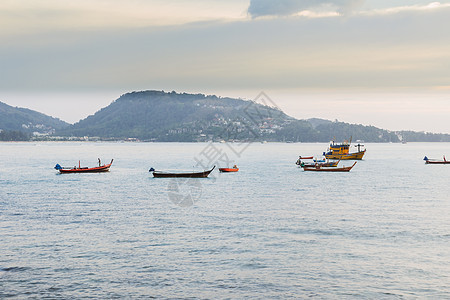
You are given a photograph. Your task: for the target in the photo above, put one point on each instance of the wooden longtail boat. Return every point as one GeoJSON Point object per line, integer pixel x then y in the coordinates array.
{"type": "Point", "coordinates": [159, 174]}
{"type": "Point", "coordinates": [305, 157]}
{"type": "Point", "coordinates": [326, 169]}
{"type": "Point", "coordinates": [299, 160]}
{"type": "Point", "coordinates": [329, 164]}
{"type": "Point", "coordinates": [341, 151]}
{"type": "Point", "coordinates": [227, 170]}
{"type": "Point", "coordinates": [79, 169]}
{"type": "Point", "coordinates": [435, 161]}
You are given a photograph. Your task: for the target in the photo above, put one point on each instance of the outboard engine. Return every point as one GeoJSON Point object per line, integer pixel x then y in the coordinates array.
{"type": "Point", "coordinates": [151, 170]}
{"type": "Point", "coordinates": [58, 167]}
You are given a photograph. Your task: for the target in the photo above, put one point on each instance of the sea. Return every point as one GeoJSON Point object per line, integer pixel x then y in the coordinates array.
{"type": "Point", "coordinates": [269, 231]}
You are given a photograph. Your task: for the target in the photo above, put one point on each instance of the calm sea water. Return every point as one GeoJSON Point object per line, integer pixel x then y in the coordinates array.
{"type": "Point", "coordinates": [381, 231]}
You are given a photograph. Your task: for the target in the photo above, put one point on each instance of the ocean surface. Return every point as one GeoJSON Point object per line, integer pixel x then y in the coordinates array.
{"type": "Point", "coordinates": [271, 230]}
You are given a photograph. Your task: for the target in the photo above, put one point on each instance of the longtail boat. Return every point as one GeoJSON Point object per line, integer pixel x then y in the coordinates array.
{"type": "Point", "coordinates": [305, 157]}
{"type": "Point", "coordinates": [79, 169]}
{"type": "Point", "coordinates": [203, 174]}
{"type": "Point", "coordinates": [329, 164]}
{"type": "Point", "coordinates": [341, 151]}
{"type": "Point", "coordinates": [327, 169]}
{"type": "Point", "coordinates": [299, 160]}
{"type": "Point", "coordinates": [435, 161]}
{"type": "Point", "coordinates": [227, 170]}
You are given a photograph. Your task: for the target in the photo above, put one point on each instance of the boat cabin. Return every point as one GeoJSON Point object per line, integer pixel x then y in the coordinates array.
{"type": "Point", "coordinates": [340, 149]}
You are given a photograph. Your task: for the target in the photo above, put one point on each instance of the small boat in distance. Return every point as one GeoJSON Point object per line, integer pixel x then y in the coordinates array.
{"type": "Point", "coordinates": [321, 162]}
{"type": "Point", "coordinates": [319, 168]}
{"type": "Point", "coordinates": [341, 151]}
{"type": "Point", "coordinates": [161, 174]}
{"type": "Point", "coordinates": [435, 161]}
{"type": "Point", "coordinates": [329, 164]}
{"type": "Point", "coordinates": [227, 170]}
{"type": "Point", "coordinates": [299, 160]}
{"type": "Point", "coordinates": [79, 169]}
{"type": "Point", "coordinates": [305, 157]}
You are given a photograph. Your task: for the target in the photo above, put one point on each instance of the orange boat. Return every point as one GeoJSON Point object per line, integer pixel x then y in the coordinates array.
{"type": "Point", "coordinates": [226, 170]}
{"type": "Point", "coordinates": [79, 169]}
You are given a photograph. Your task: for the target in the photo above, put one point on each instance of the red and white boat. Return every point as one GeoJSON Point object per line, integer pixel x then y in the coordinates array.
{"type": "Point", "coordinates": [79, 169]}
{"type": "Point", "coordinates": [319, 168]}
{"type": "Point", "coordinates": [435, 161]}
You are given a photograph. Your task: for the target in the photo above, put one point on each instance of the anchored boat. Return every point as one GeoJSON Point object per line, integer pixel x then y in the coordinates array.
{"type": "Point", "coordinates": [203, 174]}
{"type": "Point", "coordinates": [300, 158]}
{"type": "Point", "coordinates": [227, 170]}
{"type": "Point", "coordinates": [342, 151]}
{"type": "Point", "coordinates": [319, 168]}
{"type": "Point", "coordinates": [329, 164]}
{"type": "Point", "coordinates": [435, 161]}
{"type": "Point", "coordinates": [79, 169]}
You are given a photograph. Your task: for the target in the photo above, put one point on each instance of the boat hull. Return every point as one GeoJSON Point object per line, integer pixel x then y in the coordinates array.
{"type": "Point", "coordinates": [158, 174]}
{"type": "Point", "coordinates": [228, 170]}
{"type": "Point", "coordinates": [437, 162]}
{"type": "Point", "coordinates": [328, 169]}
{"type": "Point", "coordinates": [86, 170]}
{"type": "Point", "coordinates": [99, 169]}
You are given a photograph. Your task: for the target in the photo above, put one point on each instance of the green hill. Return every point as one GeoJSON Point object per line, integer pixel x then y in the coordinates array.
{"type": "Point", "coordinates": [162, 116]}
{"type": "Point", "coordinates": [20, 123]}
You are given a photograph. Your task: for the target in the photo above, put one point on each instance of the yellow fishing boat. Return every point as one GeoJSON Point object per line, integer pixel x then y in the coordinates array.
{"type": "Point", "coordinates": [342, 151]}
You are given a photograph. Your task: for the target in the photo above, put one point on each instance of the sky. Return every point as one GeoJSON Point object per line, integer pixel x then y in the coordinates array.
{"type": "Point", "coordinates": [370, 62]}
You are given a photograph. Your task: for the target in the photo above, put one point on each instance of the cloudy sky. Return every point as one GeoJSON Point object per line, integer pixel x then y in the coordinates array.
{"type": "Point", "coordinates": [371, 62]}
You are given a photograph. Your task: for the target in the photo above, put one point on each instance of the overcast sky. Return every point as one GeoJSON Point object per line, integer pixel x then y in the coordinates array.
{"type": "Point", "coordinates": [372, 62]}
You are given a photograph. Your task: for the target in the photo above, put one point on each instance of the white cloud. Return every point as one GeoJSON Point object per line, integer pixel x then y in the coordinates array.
{"type": "Point", "coordinates": [260, 8]}
{"type": "Point", "coordinates": [375, 51]}
{"type": "Point", "coordinates": [409, 8]}
{"type": "Point", "coordinates": [332, 8]}
{"type": "Point", "coordinates": [30, 16]}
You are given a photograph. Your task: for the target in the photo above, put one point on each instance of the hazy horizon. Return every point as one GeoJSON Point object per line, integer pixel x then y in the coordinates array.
{"type": "Point", "coordinates": [366, 62]}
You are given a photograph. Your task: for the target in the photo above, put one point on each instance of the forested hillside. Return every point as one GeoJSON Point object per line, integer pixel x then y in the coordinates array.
{"type": "Point", "coordinates": [161, 116]}
{"type": "Point", "coordinates": [26, 121]}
